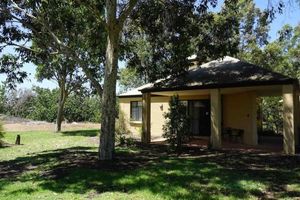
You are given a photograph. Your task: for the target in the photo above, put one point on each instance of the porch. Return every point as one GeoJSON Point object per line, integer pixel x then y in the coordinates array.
{"type": "Point", "coordinates": [235, 107]}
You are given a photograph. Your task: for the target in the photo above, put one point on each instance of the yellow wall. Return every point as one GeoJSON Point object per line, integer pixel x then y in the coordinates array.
{"type": "Point", "coordinates": [134, 127]}
{"type": "Point", "coordinates": [239, 112]}
{"type": "Point", "coordinates": [159, 105]}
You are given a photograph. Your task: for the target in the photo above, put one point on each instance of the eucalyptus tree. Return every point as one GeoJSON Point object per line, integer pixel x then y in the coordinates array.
{"type": "Point", "coordinates": [48, 34]}
{"type": "Point", "coordinates": [68, 77]}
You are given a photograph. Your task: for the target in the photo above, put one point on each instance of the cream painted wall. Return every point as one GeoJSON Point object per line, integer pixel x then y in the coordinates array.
{"type": "Point", "coordinates": [134, 127]}
{"type": "Point", "coordinates": [159, 105]}
{"type": "Point", "coordinates": [239, 111]}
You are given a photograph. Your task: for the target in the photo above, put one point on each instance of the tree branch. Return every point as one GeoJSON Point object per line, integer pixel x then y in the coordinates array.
{"type": "Point", "coordinates": [94, 81]}
{"type": "Point", "coordinates": [17, 45]}
{"type": "Point", "coordinates": [126, 12]}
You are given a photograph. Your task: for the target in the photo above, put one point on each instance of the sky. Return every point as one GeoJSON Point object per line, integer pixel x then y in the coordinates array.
{"type": "Point", "coordinates": [290, 15]}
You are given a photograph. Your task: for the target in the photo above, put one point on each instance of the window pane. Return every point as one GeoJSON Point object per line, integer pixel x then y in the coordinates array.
{"type": "Point", "coordinates": [140, 114]}
{"type": "Point", "coordinates": [136, 110]}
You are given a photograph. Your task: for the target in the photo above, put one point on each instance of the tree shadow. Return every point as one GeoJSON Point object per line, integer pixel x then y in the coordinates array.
{"type": "Point", "coordinates": [197, 174]}
{"type": "Point", "coordinates": [87, 133]}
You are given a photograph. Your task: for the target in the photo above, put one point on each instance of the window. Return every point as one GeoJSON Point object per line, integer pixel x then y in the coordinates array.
{"type": "Point", "coordinates": [136, 110]}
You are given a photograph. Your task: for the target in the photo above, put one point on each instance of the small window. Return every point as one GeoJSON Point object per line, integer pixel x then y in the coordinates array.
{"type": "Point", "coordinates": [136, 110]}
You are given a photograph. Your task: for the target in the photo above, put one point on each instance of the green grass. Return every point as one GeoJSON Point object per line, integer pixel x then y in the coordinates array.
{"type": "Point", "coordinates": [65, 166]}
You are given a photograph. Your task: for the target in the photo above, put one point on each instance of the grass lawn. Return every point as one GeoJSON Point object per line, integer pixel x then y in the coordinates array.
{"type": "Point", "coordinates": [65, 166]}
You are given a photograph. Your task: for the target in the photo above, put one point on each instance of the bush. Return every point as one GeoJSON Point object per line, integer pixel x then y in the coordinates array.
{"type": "Point", "coordinates": [121, 129]}
{"type": "Point", "coordinates": [45, 105]}
{"type": "Point", "coordinates": [176, 128]}
{"type": "Point", "coordinates": [88, 111]}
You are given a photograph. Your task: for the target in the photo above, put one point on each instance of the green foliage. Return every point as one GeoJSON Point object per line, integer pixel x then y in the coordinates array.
{"type": "Point", "coordinates": [121, 128]}
{"type": "Point", "coordinates": [159, 42]}
{"type": "Point", "coordinates": [82, 108]}
{"type": "Point", "coordinates": [272, 114]}
{"type": "Point", "coordinates": [41, 104]}
{"type": "Point", "coordinates": [19, 102]}
{"type": "Point", "coordinates": [176, 128]}
{"type": "Point", "coordinates": [129, 79]}
{"type": "Point", "coordinates": [280, 55]}
{"type": "Point", "coordinates": [11, 66]}
{"type": "Point", "coordinates": [45, 105]}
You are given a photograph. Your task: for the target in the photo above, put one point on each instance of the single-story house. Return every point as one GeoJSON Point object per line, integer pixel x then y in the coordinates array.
{"type": "Point", "coordinates": [218, 94]}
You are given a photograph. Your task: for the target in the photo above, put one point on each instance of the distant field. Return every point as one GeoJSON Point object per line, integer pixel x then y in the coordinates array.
{"type": "Point", "coordinates": [17, 124]}
{"type": "Point", "coordinates": [33, 126]}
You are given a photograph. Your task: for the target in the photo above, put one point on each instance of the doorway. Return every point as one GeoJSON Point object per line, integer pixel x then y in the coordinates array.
{"type": "Point", "coordinates": [199, 113]}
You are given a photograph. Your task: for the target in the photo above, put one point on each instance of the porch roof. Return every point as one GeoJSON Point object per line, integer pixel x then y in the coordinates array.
{"type": "Point", "coordinates": [221, 73]}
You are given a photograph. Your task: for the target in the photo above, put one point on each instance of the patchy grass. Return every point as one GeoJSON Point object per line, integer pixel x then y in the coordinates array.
{"type": "Point", "coordinates": [65, 166]}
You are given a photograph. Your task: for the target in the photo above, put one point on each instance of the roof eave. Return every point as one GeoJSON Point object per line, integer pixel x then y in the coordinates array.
{"type": "Point", "coordinates": [226, 85]}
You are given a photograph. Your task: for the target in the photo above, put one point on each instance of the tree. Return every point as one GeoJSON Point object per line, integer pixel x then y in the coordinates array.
{"type": "Point", "coordinates": [176, 128]}
{"type": "Point", "coordinates": [68, 78]}
{"type": "Point", "coordinates": [129, 79]}
{"type": "Point", "coordinates": [11, 66]}
{"type": "Point", "coordinates": [43, 33]}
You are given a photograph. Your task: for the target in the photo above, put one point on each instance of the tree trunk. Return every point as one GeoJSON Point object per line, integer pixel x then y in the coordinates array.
{"type": "Point", "coordinates": [108, 117]}
{"type": "Point", "coordinates": [107, 135]}
{"type": "Point", "coordinates": [61, 105]}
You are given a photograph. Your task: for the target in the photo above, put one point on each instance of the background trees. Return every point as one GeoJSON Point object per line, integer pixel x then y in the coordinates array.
{"type": "Point", "coordinates": [41, 104]}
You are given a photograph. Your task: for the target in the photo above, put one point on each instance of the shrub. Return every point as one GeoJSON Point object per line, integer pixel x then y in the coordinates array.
{"type": "Point", "coordinates": [176, 128]}
{"type": "Point", "coordinates": [88, 111]}
{"type": "Point", "coordinates": [45, 105]}
{"type": "Point", "coordinates": [121, 128]}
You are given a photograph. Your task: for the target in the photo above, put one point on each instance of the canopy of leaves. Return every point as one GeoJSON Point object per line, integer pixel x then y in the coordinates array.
{"type": "Point", "coordinates": [129, 79]}
{"type": "Point", "coordinates": [54, 33]}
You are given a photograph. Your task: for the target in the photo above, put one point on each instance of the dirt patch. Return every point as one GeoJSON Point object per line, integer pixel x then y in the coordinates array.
{"type": "Point", "coordinates": [11, 123]}
{"type": "Point", "coordinates": [29, 126]}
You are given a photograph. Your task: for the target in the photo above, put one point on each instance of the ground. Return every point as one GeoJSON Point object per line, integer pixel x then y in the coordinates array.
{"type": "Point", "coordinates": [12, 123]}
{"type": "Point", "coordinates": [64, 166]}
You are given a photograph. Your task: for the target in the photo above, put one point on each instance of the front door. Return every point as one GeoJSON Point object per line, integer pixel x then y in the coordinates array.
{"type": "Point", "coordinates": [199, 113]}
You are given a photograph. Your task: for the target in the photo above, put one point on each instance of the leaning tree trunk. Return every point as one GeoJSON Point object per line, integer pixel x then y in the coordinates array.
{"type": "Point", "coordinates": [108, 115]}
{"type": "Point", "coordinates": [60, 109]}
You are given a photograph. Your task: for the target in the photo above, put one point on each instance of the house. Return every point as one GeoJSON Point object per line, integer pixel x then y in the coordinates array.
{"type": "Point", "coordinates": [221, 93]}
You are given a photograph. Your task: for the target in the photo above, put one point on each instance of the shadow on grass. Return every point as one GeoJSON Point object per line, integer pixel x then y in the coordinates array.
{"type": "Point", "coordinates": [198, 174]}
{"type": "Point", "coordinates": [87, 133]}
